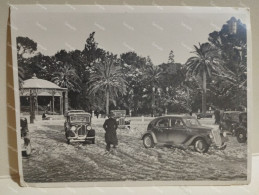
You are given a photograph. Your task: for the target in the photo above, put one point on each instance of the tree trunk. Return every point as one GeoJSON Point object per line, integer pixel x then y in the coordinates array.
{"type": "Point", "coordinates": [204, 89]}
{"type": "Point", "coordinates": [107, 101]}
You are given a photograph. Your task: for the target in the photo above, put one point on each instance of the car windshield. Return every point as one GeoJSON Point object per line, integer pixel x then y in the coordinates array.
{"type": "Point", "coordinates": [79, 118]}
{"type": "Point", "coordinates": [231, 116]}
{"type": "Point", "coordinates": [191, 122]}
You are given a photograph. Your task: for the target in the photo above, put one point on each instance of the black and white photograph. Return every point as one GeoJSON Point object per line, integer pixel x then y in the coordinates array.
{"type": "Point", "coordinates": [131, 93]}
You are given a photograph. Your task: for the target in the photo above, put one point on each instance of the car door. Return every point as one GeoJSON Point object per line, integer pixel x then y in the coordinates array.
{"type": "Point", "coordinates": [178, 132]}
{"type": "Point", "coordinates": [160, 130]}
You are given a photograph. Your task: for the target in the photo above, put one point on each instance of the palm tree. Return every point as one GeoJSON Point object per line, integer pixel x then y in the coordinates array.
{"type": "Point", "coordinates": [66, 77]}
{"type": "Point", "coordinates": [205, 63]}
{"type": "Point", "coordinates": [153, 74]}
{"type": "Point", "coordinates": [108, 78]}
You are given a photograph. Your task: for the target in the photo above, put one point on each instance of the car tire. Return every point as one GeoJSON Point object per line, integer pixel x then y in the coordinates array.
{"type": "Point", "coordinates": [241, 135]}
{"type": "Point", "coordinates": [200, 145]}
{"type": "Point", "coordinates": [68, 141]}
{"type": "Point", "coordinates": [93, 141]}
{"type": "Point", "coordinates": [148, 141]}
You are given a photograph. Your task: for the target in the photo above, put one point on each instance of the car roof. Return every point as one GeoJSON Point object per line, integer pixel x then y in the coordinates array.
{"type": "Point", "coordinates": [232, 112]}
{"type": "Point", "coordinates": [176, 116]}
{"type": "Point", "coordinates": [78, 113]}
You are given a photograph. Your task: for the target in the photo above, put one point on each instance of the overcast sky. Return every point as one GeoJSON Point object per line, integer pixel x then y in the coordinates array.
{"type": "Point", "coordinates": [149, 32]}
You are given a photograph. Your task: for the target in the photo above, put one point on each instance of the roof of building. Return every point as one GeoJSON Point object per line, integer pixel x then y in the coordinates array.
{"type": "Point", "coordinates": [34, 82]}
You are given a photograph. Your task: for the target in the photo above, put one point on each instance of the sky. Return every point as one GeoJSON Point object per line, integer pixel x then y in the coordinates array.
{"type": "Point", "coordinates": [149, 32]}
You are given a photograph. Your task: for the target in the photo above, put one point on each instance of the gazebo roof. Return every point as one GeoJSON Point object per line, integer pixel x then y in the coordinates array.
{"type": "Point", "coordinates": [35, 83]}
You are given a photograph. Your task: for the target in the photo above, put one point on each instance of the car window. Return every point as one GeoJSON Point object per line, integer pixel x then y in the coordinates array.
{"type": "Point", "coordinates": [191, 122]}
{"type": "Point", "coordinates": [79, 118]}
{"type": "Point", "coordinates": [163, 123]}
{"type": "Point", "coordinates": [177, 123]}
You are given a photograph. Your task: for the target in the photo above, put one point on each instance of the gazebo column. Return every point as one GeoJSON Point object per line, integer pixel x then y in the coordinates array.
{"type": "Point", "coordinates": [61, 104]}
{"type": "Point", "coordinates": [37, 104]}
{"type": "Point", "coordinates": [66, 102]}
{"type": "Point", "coordinates": [53, 101]}
{"type": "Point", "coordinates": [32, 105]}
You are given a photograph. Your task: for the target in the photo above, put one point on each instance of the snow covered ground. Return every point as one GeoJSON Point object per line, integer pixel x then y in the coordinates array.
{"type": "Point", "coordinates": [53, 160]}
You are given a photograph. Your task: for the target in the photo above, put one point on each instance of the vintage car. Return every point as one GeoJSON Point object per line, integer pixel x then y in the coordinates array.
{"type": "Point", "coordinates": [25, 137]}
{"type": "Point", "coordinates": [78, 127]}
{"type": "Point", "coordinates": [235, 123]}
{"type": "Point", "coordinates": [204, 115]}
{"type": "Point", "coordinates": [229, 121]}
{"type": "Point", "coordinates": [183, 131]}
{"type": "Point", "coordinates": [120, 116]}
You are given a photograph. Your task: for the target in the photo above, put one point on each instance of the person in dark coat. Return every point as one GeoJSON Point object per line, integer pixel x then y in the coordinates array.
{"type": "Point", "coordinates": [110, 126]}
{"type": "Point", "coordinates": [217, 116]}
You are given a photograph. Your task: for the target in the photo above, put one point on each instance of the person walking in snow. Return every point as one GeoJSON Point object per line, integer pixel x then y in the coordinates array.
{"type": "Point", "coordinates": [110, 126]}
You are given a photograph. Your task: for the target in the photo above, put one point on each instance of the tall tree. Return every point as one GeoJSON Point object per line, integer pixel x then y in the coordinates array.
{"type": "Point", "coordinates": [26, 48]}
{"type": "Point", "coordinates": [232, 41]}
{"type": "Point", "coordinates": [108, 78]}
{"type": "Point", "coordinates": [206, 61]}
{"type": "Point", "coordinates": [171, 57]}
{"type": "Point", "coordinates": [66, 77]}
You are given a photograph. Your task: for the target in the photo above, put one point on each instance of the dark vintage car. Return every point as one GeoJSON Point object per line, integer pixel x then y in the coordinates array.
{"type": "Point", "coordinates": [25, 137]}
{"type": "Point", "coordinates": [120, 116]}
{"type": "Point", "coordinates": [78, 127]}
{"type": "Point", "coordinates": [235, 122]}
{"type": "Point", "coordinates": [204, 115]}
{"type": "Point", "coordinates": [184, 131]}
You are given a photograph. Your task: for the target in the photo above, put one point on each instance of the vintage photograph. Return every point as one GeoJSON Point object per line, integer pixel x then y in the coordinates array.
{"type": "Point", "coordinates": [131, 93]}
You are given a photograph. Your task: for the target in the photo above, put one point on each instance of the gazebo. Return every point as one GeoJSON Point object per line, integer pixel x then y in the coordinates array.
{"type": "Point", "coordinates": [41, 93]}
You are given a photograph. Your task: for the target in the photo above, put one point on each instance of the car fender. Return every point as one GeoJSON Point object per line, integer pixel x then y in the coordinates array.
{"type": "Point", "coordinates": [149, 133]}
{"type": "Point", "coordinates": [190, 141]}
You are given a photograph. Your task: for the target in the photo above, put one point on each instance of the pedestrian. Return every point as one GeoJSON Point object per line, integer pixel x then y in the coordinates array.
{"type": "Point", "coordinates": [110, 126]}
{"type": "Point", "coordinates": [217, 116]}
{"type": "Point", "coordinates": [44, 115]}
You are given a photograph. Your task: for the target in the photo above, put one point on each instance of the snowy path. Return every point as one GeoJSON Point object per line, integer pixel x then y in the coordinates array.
{"type": "Point", "coordinates": [53, 160]}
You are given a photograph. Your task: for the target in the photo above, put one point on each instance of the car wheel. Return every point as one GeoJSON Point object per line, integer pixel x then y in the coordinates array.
{"type": "Point", "coordinates": [68, 141]}
{"type": "Point", "coordinates": [200, 145]}
{"type": "Point", "coordinates": [241, 136]}
{"type": "Point", "coordinates": [148, 141]}
{"type": "Point", "coordinates": [93, 141]}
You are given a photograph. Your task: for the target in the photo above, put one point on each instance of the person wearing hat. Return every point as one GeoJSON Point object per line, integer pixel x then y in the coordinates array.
{"type": "Point", "coordinates": [110, 126]}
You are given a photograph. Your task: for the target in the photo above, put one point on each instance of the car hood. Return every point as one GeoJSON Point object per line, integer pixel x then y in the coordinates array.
{"type": "Point", "coordinates": [201, 129]}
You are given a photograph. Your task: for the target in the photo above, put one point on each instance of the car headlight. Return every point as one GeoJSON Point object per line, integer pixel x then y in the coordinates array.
{"type": "Point", "coordinates": [73, 128]}
{"type": "Point", "coordinates": [224, 134]}
{"type": "Point", "coordinates": [88, 127]}
{"type": "Point", "coordinates": [211, 136]}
